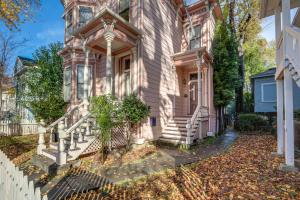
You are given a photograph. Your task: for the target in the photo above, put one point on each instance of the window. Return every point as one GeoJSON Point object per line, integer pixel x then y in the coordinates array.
{"type": "Point", "coordinates": [194, 76]}
{"type": "Point", "coordinates": [85, 14]}
{"type": "Point", "coordinates": [80, 81]}
{"type": "Point", "coordinates": [268, 92]}
{"type": "Point", "coordinates": [124, 9]}
{"type": "Point", "coordinates": [127, 77]}
{"type": "Point", "coordinates": [195, 36]}
{"type": "Point", "coordinates": [67, 84]}
{"type": "Point", "coordinates": [69, 24]}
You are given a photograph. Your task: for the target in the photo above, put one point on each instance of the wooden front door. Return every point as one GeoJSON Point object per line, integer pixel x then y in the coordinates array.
{"type": "Point", "coordinates": [193, 96]}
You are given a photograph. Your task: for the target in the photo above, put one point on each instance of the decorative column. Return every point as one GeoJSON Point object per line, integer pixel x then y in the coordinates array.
{"type": "Point", "coordinates": [288, 93]}
{"type": "Point", "coordinates": [62, 156]}
{"type": "Point", "coordinates": [199, 67]}
{"type": "Point", "coordinates": [109, 37]}
{"type": "Point", "coordinates": [279, 87]}
{"type": "Point", "coordinates": [280, 131]}
{"type": "Point", "coordinates": [42, 131]}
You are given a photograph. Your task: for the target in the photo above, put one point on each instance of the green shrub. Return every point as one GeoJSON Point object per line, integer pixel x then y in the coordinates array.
{"type": "Point", "coordinates": [132, 112]}
{"type": "Point", "coordinates": [104, 108]}
{"type": "Point", "coordinates": [252, 122]}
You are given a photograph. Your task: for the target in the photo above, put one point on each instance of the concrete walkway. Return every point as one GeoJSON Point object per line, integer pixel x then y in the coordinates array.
{"type": "Point", "coordinates": [168, 158]}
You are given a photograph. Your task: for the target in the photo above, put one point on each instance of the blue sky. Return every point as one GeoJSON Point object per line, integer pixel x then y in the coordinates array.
{"type": "Point", "coordinates": [47, 26]}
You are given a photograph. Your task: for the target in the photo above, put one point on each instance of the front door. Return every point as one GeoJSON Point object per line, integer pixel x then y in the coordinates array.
{"type": "Point", "coordinates": [193, 96]}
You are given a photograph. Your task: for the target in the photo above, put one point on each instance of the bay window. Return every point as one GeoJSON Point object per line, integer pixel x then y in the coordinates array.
{"type": "Point", "coordinates": [85, 14]}
{"type": "Point", "coordinates": [69, 24]}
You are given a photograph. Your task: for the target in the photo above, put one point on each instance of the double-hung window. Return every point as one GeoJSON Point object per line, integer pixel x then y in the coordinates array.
{"type": "Point", "coordinates": [67, 84]}
{"type": "Point", "coordinates": [80, 81]}
{"type": "Point", "coordinates": [85, 14]}
{"type": "Point", "coordinates": [124, 6]}
{"type": "Point", "coordinates": [195, 37]}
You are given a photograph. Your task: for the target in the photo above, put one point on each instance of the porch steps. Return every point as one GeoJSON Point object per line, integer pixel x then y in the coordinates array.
{"type": "Point", "coordinates": [175, 132]}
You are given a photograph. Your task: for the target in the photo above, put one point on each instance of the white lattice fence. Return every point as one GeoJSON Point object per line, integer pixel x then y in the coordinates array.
{"type": "Point", "coordinates": [118, 139]}
{"type": "Point", "coordinates": [14, 185]}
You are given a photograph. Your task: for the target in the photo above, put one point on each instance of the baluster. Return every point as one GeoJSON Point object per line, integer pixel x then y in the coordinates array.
{"type": "Point", "coordinates": [72, 144]}
{"type": "Point", "coordinates": [62, 156]}
{"type": "Point", "coordinates": [88, 127]}
{"type": "Point", "coordinates": [83, 130]}
{"type": "Point", "coordinates": [80, 138]}
{"type": "Point", "coordinates": [51, 136]}
{"type": "Point", "coordinates": [42, 131]}
{"type": "Point", "coordinates": [189, 131]}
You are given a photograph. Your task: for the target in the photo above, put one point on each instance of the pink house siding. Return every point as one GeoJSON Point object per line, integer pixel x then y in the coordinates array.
{"type": "Point", "coordinates": [158, 33]}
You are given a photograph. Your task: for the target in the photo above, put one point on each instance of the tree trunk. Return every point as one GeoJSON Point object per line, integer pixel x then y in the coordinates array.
{"type": "Point", "coordinates": [240, 89]}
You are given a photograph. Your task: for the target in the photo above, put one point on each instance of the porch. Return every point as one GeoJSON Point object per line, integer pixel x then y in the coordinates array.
{"type": "Point", "coordinates": [192, 80]}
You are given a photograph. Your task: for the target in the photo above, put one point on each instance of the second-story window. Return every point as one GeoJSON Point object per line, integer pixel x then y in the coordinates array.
{"type": "Point", "coordinates": [124, 6]}
{"type": "Point", "coordinates": [69, 24]}
{"type": "Point", "coordinates": [195, 37]}
{"type": "Point", "coordinates": [85, 14]}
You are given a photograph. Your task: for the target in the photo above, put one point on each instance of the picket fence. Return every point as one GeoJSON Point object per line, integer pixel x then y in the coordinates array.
{"type": "Point", "coordinates": [8, 128]}
{"type": "Point", "coordinates": [14, 185]}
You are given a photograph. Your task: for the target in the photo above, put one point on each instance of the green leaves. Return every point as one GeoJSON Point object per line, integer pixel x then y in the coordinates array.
{"type": "Point", "coordinates": [225, 55]}
{"type": "Point", "coordinates": [42, 83]}
{"type": "Point", "coordinates": [134, 110]}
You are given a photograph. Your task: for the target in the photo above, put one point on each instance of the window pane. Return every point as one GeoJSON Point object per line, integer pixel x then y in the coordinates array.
{"type": "Point", "coordinates": [80, 78]}
{"type": "Point", "coordinates": [195, 43]}
{"type": "Point", "coordinates": [127, 83]}
{"type": "Point", "coordinates": [269, 92]}
{"type": "Point", "coordinates": [85, 14]}
{"type": "Point", "coordinates": [67, 84]}
{"type": "Point", "coordinates": [193, 76]}
{"type": "Point", "coordinates": [80, 91]}
{"type": "Point", "coordinates": [123, 5]}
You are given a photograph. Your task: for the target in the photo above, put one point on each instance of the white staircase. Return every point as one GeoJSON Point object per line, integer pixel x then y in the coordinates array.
{"type": "Point", "coordinates": [74, 136]}
{"type": "Point", "coordinates": [184, 130]}
{"type": "Point", "coordinates": [292, 60]}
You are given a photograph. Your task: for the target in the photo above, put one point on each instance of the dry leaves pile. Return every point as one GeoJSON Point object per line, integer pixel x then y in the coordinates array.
{"type": "Point", "coordinates": [247, 171]}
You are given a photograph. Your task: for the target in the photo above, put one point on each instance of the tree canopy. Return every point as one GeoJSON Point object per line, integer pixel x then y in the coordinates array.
{"type": "Point", "coordinates": [226, 79]}
{"type": "Point", "coordinates": [44, 84]}
{"type": "Point", "coordinates": [14, 12]}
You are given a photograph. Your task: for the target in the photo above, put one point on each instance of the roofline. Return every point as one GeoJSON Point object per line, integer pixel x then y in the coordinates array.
{"type": "Point", "coordinates": [102, 13]}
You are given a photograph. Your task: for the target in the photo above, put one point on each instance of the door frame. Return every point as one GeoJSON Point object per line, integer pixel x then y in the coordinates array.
{"type": "Point", "coordinates": [189, 93]}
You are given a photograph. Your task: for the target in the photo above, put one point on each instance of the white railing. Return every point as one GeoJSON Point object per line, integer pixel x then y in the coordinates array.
{"type": "Point", "coordinates": [10, 128]}
{"type": "Point", "coordinates": [14, 185]}
{"type": "Point", "coordinates": [191, 123]}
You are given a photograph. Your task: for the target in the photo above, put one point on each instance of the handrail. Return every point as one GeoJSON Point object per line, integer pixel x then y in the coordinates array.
{"type": "Point", "coordinates": [78, 123]}
{"type": "Point", "coordinates": [190, 124]}
{"type": "Point", "coordinates": [294, 31]}
{"type": "Point", "coordinates": [64, 116]}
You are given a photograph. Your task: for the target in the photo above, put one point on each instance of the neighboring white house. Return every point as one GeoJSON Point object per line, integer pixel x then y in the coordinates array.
{"type": "Point", "coordinates": [287, 72]}
{"type": "Point", "coordinates": [16, 119]}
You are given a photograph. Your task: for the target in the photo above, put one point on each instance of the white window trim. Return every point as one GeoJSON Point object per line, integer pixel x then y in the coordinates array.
{"type": "Point", "coordinates": [262, 93]}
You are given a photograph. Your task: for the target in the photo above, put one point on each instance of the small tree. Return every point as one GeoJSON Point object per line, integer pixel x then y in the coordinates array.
{"type": "Point", "coordinates": [133, 111]}
{"type": "Point", "coordinates": [104, 109]}
{"type": "Point", "coordinates": [226, 78]}
{"type": "Point", "coordinates": [43, 84]}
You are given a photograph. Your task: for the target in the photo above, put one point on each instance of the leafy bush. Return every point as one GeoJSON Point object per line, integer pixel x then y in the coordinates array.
{"type": "Point", "coordinates": [252, 122]}
{"type": "Point", "coordinates": [104, 109]}
{"type": "Point", "coordinates": [133, 111]}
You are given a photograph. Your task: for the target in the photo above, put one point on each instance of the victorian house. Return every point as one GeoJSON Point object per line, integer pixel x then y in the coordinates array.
{"type": "Point", "coordinates": [157, 49]}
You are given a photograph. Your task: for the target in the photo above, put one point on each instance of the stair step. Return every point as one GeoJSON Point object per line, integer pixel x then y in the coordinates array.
{"type": "Point", "coordinates": [173, 141]}
{"type": "Point", "coordinates": [171, 136]}
{"type": "Point", "coordinates": [51, 153]}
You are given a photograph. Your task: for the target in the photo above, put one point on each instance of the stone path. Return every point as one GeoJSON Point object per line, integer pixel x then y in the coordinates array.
{"type": "Point", "coordinates": [78, 181]}
{"type": "Point", "coordinates": [168, 157]}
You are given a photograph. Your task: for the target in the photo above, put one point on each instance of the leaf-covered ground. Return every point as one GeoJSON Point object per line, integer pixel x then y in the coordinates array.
{"type": "Point", "coordinates": [246, 171]}
{"type": "Point", "coordinates": [14, 146]}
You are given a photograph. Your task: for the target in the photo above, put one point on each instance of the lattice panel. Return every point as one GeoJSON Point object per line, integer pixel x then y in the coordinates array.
{"type": "Point", "coordinates": [118, 140]}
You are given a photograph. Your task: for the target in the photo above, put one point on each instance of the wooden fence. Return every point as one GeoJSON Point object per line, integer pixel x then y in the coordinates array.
{"type": "Point", "coordinates": [14, 185]}
{"type": "Point", "coordinates": [8, 128]}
